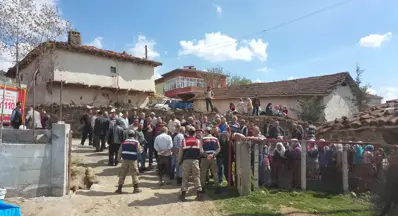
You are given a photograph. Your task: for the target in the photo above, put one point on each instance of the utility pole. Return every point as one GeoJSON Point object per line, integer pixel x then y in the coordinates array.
{"type": "Point", "coordinates": [60, 100]}
{"type": "Point", "coordinates": [2, 110]}
{"type": "Point", "coordinates": [146, 52]}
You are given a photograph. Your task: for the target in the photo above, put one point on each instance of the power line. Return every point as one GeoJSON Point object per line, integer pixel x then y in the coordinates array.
{"type": "Point", "coordinates": [330, 7]}
{"type": "Point", "coordinates": [338, 4]}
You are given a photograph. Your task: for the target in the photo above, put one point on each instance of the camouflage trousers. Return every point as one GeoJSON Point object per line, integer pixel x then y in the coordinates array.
{"type": "Point", "coordinates": [128, 167]}
{"type": "Point", "coordinates": [205, 165]}
{"type": "Point", "coordinates": [190, 166]}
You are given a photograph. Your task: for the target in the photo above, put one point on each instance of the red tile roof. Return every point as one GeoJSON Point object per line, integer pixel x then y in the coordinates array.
{"type": "Point", "coordinates": [379, 116]}
{"type": "Point", "coordinates": [311, 86]}
{"type": "Point", "coordinates": [82, 49]}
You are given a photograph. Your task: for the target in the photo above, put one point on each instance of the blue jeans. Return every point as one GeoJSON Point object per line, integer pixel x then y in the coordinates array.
{"type": "Point", "coordinates": [144, 155]}
{"type": "Point", "coordinates": [220, 169]}
{"type": "Point", "coordinates": [175, 167]}
{"type": "Point", "coordinates": [255, 110]}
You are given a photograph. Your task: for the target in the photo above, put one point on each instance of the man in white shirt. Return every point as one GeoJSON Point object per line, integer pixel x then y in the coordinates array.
{"type": "Point", "coordinates": [172, 123]}
{"type": "Point", "coordinates": [163, 145]}
{"type": "Point", "coordinates": [124, 120]}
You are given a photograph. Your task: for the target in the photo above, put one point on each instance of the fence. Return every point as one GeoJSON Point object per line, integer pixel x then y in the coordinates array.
{"type": "Point", "coordinates": [320, 166]}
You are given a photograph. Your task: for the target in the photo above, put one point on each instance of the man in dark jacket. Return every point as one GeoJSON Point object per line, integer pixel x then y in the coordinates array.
{"type": "Point", "coordinates": [256, 105]}
{"type": "Point", "coordinates": [16, 116]}
{"type": "Point", "coordinates": [87, 128]}
{"type": "Point", "coordinates": [275, 131]}
{"type": "Point", "coordinates": [297, 133]}
{"type": "Point", "coordinates": [100, 129]}
{"type": "Point", "coordinates": [116, 136]}
{"type": "Point", "coordinates": [148, 151]}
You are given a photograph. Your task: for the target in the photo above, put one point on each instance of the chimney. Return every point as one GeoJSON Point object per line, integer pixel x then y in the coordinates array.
{"type": "Point", "coordinates": [74, 38]}
{"type": "Point", "coordinates": [146, 52]}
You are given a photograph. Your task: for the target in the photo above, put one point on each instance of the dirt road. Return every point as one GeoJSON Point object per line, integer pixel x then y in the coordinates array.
{"type": "Point", "coordinates": [101, 199]}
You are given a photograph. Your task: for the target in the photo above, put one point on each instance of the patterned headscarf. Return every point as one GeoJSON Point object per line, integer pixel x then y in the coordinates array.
{"type": "Point", "coordinates": [369, 148]}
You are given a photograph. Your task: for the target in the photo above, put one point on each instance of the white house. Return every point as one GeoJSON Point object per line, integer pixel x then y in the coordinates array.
{"type": "Point", "coordinates": [88, 75]}
{"type": "Point", "coordinates": [335, 91]}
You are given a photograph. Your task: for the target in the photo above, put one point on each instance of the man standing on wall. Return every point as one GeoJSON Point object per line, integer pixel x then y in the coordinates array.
{"type": "Point", "coordinates": [256, 105]}
{"type": "Point", "coordinates": [208, 97]}
{"type": "Point", "coordinates": [16, 116]}
{"type": "Point", "coordinates": [87, 128]}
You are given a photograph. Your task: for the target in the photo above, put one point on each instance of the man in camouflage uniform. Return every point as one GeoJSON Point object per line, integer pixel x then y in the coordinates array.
{"type": "Point", "coordinates": [210, 149]}
{"type": "Point", "coordinates": [129, 150]}
{"type": "Point", "coordinates": [188, 158]}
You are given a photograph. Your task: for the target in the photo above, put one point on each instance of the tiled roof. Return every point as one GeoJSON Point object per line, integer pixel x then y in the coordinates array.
{"type": "Point", "coordinates": [311, 86]}
{"type": "Point", "coordinates": [379, 116]}
{"type": "Point", "coordinates": [91, 50]}
{"type": "Point", "coordinates": [186, 70]}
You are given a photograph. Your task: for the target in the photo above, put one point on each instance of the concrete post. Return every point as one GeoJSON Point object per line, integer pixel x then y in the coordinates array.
{"type": "Point", "coordinates": [304, 165]}
{"type": "Point", "coordinates": [60, 159]}
{"type": "Point", "coordinates": [238, 169]}
{"type": "Point", "coordinates": [245, 166]}
{"type": "Point", "coordinates": [256, 165]}
{"type": "Point", "coordinates": [345, 169]}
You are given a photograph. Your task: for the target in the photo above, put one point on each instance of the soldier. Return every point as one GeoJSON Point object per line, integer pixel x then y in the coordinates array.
{"type": "Point", "coordinates": [211, 147]}
{"type": "Point", "coordinates": [128, 152]}
{"type": "Point", "coordinates": [188, 158]}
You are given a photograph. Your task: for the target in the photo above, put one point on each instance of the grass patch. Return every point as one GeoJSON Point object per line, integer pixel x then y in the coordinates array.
{"type": "Point", "coordinates": [269, 201]}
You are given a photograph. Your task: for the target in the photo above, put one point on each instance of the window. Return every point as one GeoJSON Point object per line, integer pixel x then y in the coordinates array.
{"type": "Point", "coordinates": [113, 69]}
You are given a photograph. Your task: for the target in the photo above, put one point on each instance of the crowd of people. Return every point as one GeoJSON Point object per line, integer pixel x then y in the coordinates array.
{"type": "Point", "coordinates": [196, 146]}
{"type": "Point", "coordinates": [33, 118]}
{"type": "Point", "coordinates": [253, 108]}
{"type": "Point", "coordinates": [248, 106]}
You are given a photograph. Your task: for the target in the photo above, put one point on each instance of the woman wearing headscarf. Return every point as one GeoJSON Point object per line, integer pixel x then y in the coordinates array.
{"type": "Point", "coordinates": [312, 160]}
{"type": "Point", "coordinates": [296, 163]}
{"type": "Point", "coordinates": [249, 106]}
{"type": "Point", "coordinates": [323, 160]}
{"type": "Point", "coordinates": [358, 154]}
{"type": "Point", "coordinates": [380, 159]}
{"type": "Point", "coordinates": [367, 168]}
{"type": "Point", "coordinates": [278, 160]}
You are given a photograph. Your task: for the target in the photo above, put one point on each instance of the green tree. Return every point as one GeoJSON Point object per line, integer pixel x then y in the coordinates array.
{"type": "Point", "coordinates": [361, 97]}
{"type": "Point", "coordinates": [238, 80]}
{"type": "Point", "coordinates": [310, 109]}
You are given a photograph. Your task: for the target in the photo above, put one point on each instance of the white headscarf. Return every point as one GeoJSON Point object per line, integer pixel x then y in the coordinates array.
{"type": "Point", "coordinates": [282, 150]}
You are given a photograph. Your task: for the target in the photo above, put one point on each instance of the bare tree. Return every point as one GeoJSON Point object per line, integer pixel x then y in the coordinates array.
{"type": "Point", "coordinates": [29, 28]}
{"type": "Point", "coordinates": [215, 76]}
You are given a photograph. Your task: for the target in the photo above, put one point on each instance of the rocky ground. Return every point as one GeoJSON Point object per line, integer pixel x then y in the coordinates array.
{"type": "Point", "coordinates": [101, 199]}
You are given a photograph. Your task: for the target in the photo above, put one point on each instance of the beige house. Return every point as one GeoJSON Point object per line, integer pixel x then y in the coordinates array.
{"type": "Point", "coordinates": [335, 90]}
{"type": "Point", "coordinates": [88, 75]}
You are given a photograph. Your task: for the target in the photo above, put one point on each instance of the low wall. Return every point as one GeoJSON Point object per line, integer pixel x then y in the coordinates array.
{"type": "Point", "coordinates": [32, 166]}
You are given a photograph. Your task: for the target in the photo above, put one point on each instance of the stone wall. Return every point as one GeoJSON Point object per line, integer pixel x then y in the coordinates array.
{"type": "Point", "coordinates": [35, 165]}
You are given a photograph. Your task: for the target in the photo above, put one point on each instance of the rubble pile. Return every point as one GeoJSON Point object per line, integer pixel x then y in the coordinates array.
{"type": "Point", "coordinates": [378, 116]}
{"type": "Point", "coordinates": [378, 124]}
